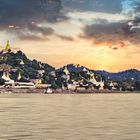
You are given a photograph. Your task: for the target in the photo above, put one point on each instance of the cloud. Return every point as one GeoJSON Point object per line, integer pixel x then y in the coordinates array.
{"type": "Point", "coordinates": [108, 25]}
{"type": "Point", "coordinates": [24, 17]}
{"type": "Point", "coordinates": [31, 32]}
{"type": "Point", "coordinates": [95, 17]}
{"type": "Point", "coordinates": [134, 24]}
{"type": "Point", "coordinates": [111, 35]}
{"type": "Point", "coordinates": [106, 6]}
{"type": "Point", "coordinates": [136, 21]}
{"type": "Point", "coordinates": [133, 12]}
{"type": "Point", "coordinates": [31, 37]}
{"type": "Point", "coordinates": [35, 32]}
{"type": "Point", "coordinates": [67, 38]}
{"type": "Point", "coordinates": [23, 12]}
{"type": "Point", "coordinates": [37, 29]}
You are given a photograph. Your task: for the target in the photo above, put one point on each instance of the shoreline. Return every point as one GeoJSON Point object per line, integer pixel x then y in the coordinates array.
{"type": "Point", "coordinates": [42, 91]}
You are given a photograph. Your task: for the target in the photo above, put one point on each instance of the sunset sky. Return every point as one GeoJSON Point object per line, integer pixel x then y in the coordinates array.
{"type": "Point", "coordinates": [98, 34]}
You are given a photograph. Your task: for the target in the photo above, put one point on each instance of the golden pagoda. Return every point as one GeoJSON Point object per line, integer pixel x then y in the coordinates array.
{"type": "Point", "coordinates": [8, 47]}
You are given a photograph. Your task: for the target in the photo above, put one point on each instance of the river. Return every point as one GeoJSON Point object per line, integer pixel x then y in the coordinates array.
{"type": "Point", "coordinates": [70, 117]}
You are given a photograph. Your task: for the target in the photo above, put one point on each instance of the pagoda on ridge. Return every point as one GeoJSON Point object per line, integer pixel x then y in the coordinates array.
{"type": "Point", "coordinates": [8, 47]}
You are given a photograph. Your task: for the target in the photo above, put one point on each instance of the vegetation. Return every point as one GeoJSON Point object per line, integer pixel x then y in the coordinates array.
{"type": "Point", "coordinates": [18, 62]}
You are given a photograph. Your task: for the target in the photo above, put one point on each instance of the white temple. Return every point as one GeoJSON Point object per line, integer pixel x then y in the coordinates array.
{"type": "Point", "coordinates": [21, 63]}
{"type": "Point", "coordinates": [8, 80]}
{"type": "Point", "coordinates": [95, 82]}
{"type": "Point", "coordinates": [19, 76]}
{"type": "Point", "coordinates": [6, 76]}
{"type": "Point", "coordinates": [112, 85]}
{"type": "Point", "coordinates": [66, 71]}
{"type": "Point", "coordinates": [102, 84]}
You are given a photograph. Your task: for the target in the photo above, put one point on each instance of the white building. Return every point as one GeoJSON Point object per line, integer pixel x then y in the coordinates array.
{"type": "Point", "coordinates": [8, 80]}
{"type": "Point", "coordinates": [71, 86]}
{"type": "Point", "coordinates": [113, 85]}
{"type": "Point", "coordinates": [66, 71]}
{"type": "Point", "coordinates": [95, 82]}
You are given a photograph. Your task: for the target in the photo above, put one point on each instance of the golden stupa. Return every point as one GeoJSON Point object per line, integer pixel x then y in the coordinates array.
{"type": "Point", "coordinates": [8, 47]}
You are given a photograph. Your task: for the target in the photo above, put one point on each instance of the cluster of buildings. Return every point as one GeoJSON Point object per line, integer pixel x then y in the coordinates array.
{"type": "Point", "coordinates": [73, 85]}
{"type": "Point", "coordinates": [20, 81]}
{"type": "Point", "coordinates": [79, 85]}
{"type": "Point", "coordinates": [87, 83]}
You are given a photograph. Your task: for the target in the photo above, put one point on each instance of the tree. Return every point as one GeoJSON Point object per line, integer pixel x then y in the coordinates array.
{"type": "Point", "coordinates": [2, 81]}
{"type": "Point", "coordinates": [137, 85]}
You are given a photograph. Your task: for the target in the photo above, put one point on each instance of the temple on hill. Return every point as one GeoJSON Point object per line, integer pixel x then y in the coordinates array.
{"type": "Point", "coordinates": [7, 47]}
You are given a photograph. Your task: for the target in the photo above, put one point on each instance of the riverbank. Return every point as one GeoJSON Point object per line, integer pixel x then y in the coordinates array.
{"type": "Point", "coordinates": [59, 91]}
{"type": "Point", "coordinates": [21, 90]}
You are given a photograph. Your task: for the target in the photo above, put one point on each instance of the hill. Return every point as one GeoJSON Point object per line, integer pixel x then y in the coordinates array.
{"type": "Point", "coordinates": [18, 62]}
{"type": "Point", "coordinates": [67, 76]}
{"type": "Point", "coordinates": [121, 76]}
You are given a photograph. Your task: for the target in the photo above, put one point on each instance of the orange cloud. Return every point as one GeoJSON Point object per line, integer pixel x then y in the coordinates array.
{"type": "Point", "coordinates": [111, 44]}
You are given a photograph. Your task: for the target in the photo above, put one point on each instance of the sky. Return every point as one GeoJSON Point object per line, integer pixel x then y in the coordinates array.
{"type": "Point", "coordinates": [98, 34]}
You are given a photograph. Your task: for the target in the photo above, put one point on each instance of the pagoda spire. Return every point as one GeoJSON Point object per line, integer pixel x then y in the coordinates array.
{"type": "Point", "coordinates": [6, 76]}
{"type": "Point", "coordinates": [19, 76]}
{"type": "Point", "coordinates": [8, 47]}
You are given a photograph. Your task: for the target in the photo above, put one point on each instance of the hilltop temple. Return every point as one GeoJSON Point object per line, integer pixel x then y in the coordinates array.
{"type": "Point", "coordinates": [7, 47]}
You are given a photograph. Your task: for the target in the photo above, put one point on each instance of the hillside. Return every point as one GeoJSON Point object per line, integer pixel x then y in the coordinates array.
{"type": "Point", "coordinates": [125, 80]}
{"type": "Point", "coordinates": [121, 76]}
{"type": "Point", "coordinates": [69, 75]}
{"type": "Point", "coordinates": [17, 63]}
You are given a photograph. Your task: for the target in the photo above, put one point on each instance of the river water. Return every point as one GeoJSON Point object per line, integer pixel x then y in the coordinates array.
{"type": "Point", "coordinates": [70, 117]}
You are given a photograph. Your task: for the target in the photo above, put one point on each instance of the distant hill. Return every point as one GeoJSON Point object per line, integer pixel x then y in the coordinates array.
{"type": "Point", "coordinates": [121, 76]}
{"type": "Point", "coordinates": [125, 80]}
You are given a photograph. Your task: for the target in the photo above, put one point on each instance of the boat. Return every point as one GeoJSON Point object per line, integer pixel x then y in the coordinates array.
{"type": "Point", "coordinates": [48, 90]}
